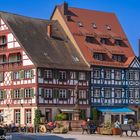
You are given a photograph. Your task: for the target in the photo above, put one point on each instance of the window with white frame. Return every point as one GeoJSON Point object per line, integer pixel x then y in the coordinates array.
{"type": "Point", "coordinates": [27, 74]}
{"type": "Point", "coordinates": [97, 92]}
{"type": "Point", "coordinates": [62, 94]}
{"type": "Point", "coordinates": [82, 76]}
{"type": "Point", "coordinates": [62, 75]}
{"type": "Point", "coordinates": [27, 93]}
{"type": "Point", "coordinates": [17, 116]}
{"type": "Point", "coordinates": [3, 40]}
{"type": "Point", "coordinates": [72, 75]}
{"type": "Point", "coordinates": [118, 93]}
{"type": "Point", "coordinates": [28, 116]}
{"type": "Point", "coordinates": [16, 75]}
{"type": "Point", "coordinates": [131, 93]}
{"type": "Point", "coordinates": [48, 74]}
{"type": "Point", "coordinates": [17, 93]}
{"type": "Point", "coordinates": [48, 93]}
{"type": "Point", "coordinates": [82, 94]}
{"type": "Point", "coordinates": [107, 74]}
{"type": "Point", "coordinates": [98, 56]}
{"type": "Point", "coordinates": [136, 93]}
{"type": "Point", "coordinates": [117, 75]}
{"type": "Point", "coordinates": [1, 94]}
{"type": "Point", "coordinates": [107, 92]}
{"type": "Point", "coordinates": [136, 75]}
{"type": "Point", "coordinates": [96, 73]}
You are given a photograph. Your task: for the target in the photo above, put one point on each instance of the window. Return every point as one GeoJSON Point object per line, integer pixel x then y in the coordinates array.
{"type": "Point", "coordinates": [94, 25]}
{"type": "Point", "coordinates": [98, 56]}
{"type": "Point", "coordinates": [17, 116]}
{"type": "Point", "coordinates": [118, 58]}
{"type": "Point", "coordinates": [62, 94]}
{"type": "Point", "coordinates": [17, 93]}
{"type": "Point", "coordinates": [72, 75]}
{"type": "Point", "coordinates": [117, 75]}
{"type": "Point", "coordinates": [80, 24]}
{"type": "Point", "coordinates": [108, 27]}
{"type": "Point", "coordinates": [97, 92]}
{"type": "Point", "coordinates": [27, 93]}
{"type": "Point", "coordinates": [27, 74]}
{"type": "Point", "coordinates": [118, 42]}
{"type": "Point", "coordinates": [2, 40]}
{"type": "Point", "coordinates": [134, 93]}
{"type": "Point", "coordinates": [47, 74]}
{"type": "Point", "coordinates": [28, 116]}
{"type": "Point", "coordinates": [133, 75]}
{"type": "Point", "coordinates": [96, 73]}
{"type": "Point", "coordinates": [107, 92]}
{"type": "Point", "coordinates": [104, 40]}
{"type": "Point", "coordinates": [107, 74]}
{"type": "Point", "coordinates": [1, 118]}
{"type": "Point", "coordinates": [48, 93]}
{"type": "Point", "coordinates": [2, 59]}
{"type": "Point", "coordinates": [118, 93]}
{"type": "Point", "coordinates": [62, 75]}
{"type": "Point", "coordinates": [16, 75]}
{"type": "Point", "coordinates": [82, 94]}
{"type": "Point", "coordinates": [82, 76]}
{"type": "Point", "coordinates": [90, 39]}
{"type": "Point", "coordinates": [19, 58]}
{"type": "Point", "coordinates": [1, 94]}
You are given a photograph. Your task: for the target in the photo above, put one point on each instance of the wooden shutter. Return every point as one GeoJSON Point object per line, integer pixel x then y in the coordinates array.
{"type": "Point", "coordinates": [12, 93]}
{"type": "Point", "coordinates": [55, 74]}
{"type": "Point", "coordinates": [1, 76]}
{"type": "Point", "coordinates": [42, 93]}
{"type": "Point", "coordinates": [55, 93]}
{"type": "Point", "coordinates": [12, 75]}
{"type": "Point", "coordinates": [68, 75]}
{"type": "Point", "coordinates": [4, 94]}
{"type": "Point", "coordinates": [32, 92]}
{"type": "Point", "coordinates": [68, 93]}
{"type": "Point", "coordinates": [22, 93]}
{"type": "Point", "coordinates": [22, 74]}
{"type": "Point", "coordinates": [32, 74]}
{"type": "Point", "coordinates": [77, 75]}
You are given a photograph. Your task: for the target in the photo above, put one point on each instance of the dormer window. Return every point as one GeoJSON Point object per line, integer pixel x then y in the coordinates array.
{"type": "Point", "coordinates": [119, 58]}
{"type": "Point", "coordinates": [90, 39]}
{"type": "Point", "coordinates": [103, 40]}
{"type": "Point", "coordinates": [98, 56]}
{"type": "Point", "coordinates": [108, 27]}
{"type": "Point", "coordinates": [94, 25]}
{"type": "Point", "coordinates": [2, 40]}
{"type": "Point", "coordinates": [80, 24]}
{"type": "Point", "coordinates": [118, 42]}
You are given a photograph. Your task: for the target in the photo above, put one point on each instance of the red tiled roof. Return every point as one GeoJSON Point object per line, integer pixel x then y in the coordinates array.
{"type": "Point", "coordinates": [101, 19]}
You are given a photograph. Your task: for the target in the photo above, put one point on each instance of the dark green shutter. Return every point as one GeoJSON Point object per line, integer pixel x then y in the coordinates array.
{"type": "Point", "coordinates": [22, 93]}
{"type": "Point", "coordinates": [22, 74]}
{"type": "Point", "coordinates": [55, 93]}
{"type": "Point", "coordinates": [42, 93]}
{"type": "Point", "coordinates": [68, 93]}
{"type": "Point", "coordinates": [4, 94]}
{"type": "Point", "coordinates": [77, 75]}
{"type": "Point", "coordinates": [32, 74]}
{"type": "Point", "coordinates": [87, 75]}
{"type": "Point", "coordinates": [12, 94]}
{"type": "Point", "coordinates": [68, 75]}
{"type": "Point", "coordinates": [1, 76]}
{"type": "Point", "coordinates": [32, 93]}
{"type": "Point", "coordinates": [55, 74]}
{"type": "Point", "coordinates": [41, 73]}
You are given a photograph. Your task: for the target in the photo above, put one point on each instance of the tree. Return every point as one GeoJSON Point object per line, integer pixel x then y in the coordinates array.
{"type": "Point", "coordinates": [37, 118]}
{"type": "Point", "coordinates": [94, 115]}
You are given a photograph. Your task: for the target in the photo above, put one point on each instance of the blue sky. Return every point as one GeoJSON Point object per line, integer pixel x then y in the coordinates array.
{"type": "Point", "coordinates": [127, 11]}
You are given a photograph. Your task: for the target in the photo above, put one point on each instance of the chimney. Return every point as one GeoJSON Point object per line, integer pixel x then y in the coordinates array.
{"type": "Point", "coordinates": [65, 8]}
{"type": "Point", "coordinates": [49, 30]}
{"type": "Point", "coordinates": [139, 47]}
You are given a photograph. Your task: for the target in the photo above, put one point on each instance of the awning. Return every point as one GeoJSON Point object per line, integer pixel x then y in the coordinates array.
{"type": "Point", "coordinates": [116, 110]}
{"type": "Point", "coordinates": [67, 110]}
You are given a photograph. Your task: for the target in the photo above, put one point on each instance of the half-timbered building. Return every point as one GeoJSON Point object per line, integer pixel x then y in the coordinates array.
{"type": "Point", "coordinates": [39, 68]}
{"type": "Point", "coordinates": [115, 76]}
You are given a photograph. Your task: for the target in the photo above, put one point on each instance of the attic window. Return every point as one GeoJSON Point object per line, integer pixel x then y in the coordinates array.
{"type": "Point", "coordinates": [118, 42]}
{"type": "Point", "coordinates": [94, 25]}
{"type": "Point", "coordinates": [75, 58]}
{"type": "Point", "coordinates": [108, 27]}
{"type": "Point", "coordinates": [104, 40]}
{"type": "Point", "coordinates": [119, 58]}
{"type": "Point", "coordinates": [90, 39]}
{"type": "Point", "coordinates": [80, 24]}
{"type": "Point", "coordinates": [98, 56]}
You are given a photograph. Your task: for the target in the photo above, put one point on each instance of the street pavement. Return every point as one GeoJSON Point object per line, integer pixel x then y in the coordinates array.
{"type": "Point", "coordinates": [69, 136]}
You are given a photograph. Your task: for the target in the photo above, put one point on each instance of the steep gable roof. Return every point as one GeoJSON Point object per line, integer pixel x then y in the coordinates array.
{"type": "Point", "coordinates": [101, 19]}
{"type": "Point", "coordinates": [51, 52]}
